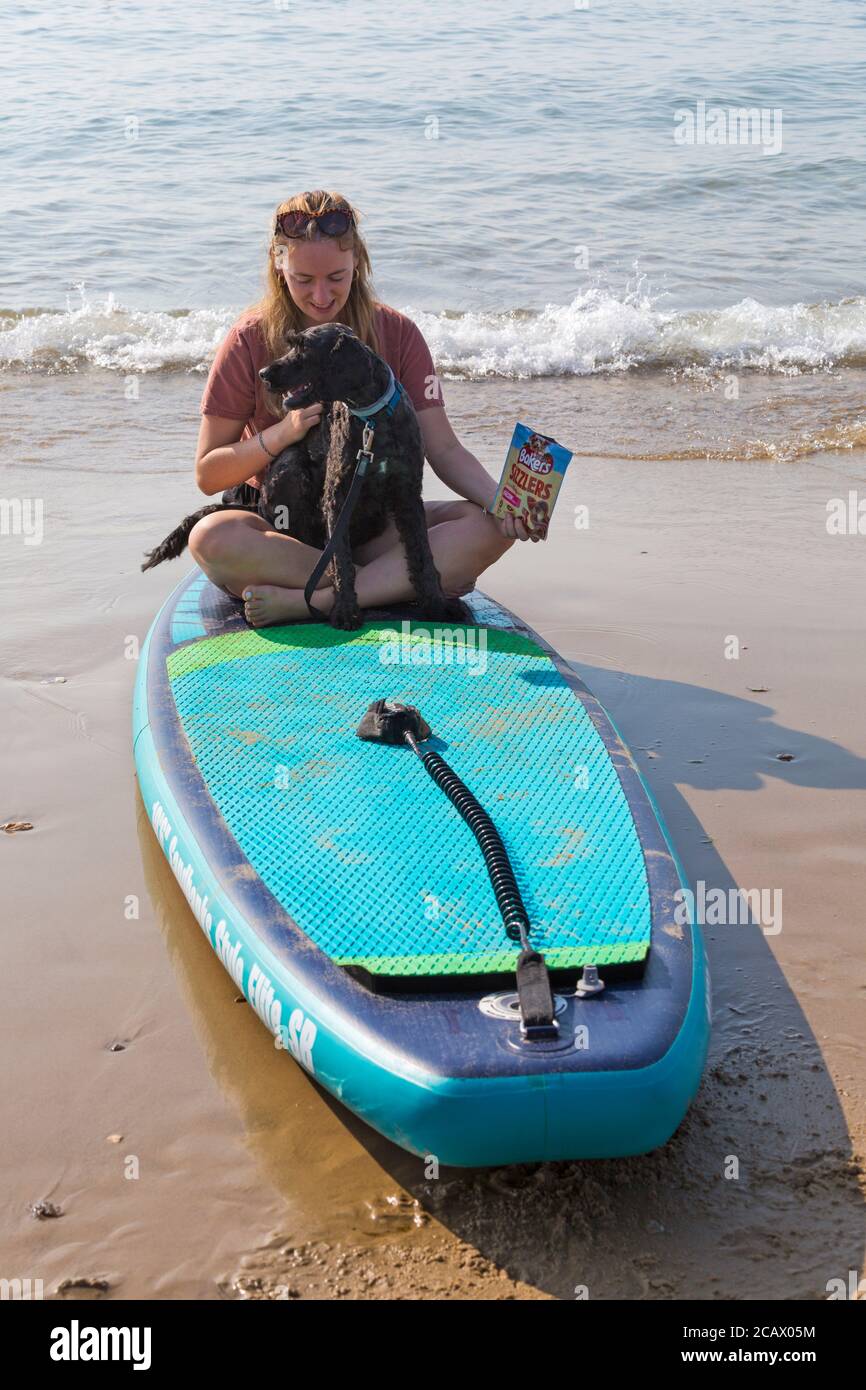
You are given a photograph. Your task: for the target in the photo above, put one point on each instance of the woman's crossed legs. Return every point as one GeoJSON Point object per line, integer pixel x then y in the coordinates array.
{"type": "Point", "coordinates": [242, 553]}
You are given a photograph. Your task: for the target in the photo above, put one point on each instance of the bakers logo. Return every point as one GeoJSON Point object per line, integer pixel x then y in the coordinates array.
{"type": "Point", "coordinates": [534, 455]}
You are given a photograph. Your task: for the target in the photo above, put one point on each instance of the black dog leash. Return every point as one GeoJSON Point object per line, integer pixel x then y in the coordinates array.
{"type": "Point", "coordinates": [365, 458]}
{"type": "Point", "coordinates": [387, 404]}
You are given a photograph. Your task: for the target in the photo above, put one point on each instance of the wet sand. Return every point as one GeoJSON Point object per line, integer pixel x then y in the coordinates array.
{"type": "Point", "coordinates": [233, 1175]}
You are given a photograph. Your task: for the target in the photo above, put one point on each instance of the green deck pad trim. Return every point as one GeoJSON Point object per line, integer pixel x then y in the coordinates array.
{"type": "Point", "coordinates": [356, 841]}
{"type": "Point", "coordinates": [557, 958]}
{"type": "Point", "coordinates": [235, 646]}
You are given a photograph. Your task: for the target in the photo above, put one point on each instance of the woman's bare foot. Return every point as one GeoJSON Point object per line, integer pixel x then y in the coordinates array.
{"type": "Point", "coordinates": [268, 604]}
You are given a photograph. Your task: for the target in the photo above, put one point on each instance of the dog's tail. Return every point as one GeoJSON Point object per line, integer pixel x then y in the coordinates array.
{"type": "Point", "coordinates": [175, 543]}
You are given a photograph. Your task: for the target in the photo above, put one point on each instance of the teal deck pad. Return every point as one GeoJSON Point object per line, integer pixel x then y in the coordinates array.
{"type": "Point", "coordinates": [366, 854]}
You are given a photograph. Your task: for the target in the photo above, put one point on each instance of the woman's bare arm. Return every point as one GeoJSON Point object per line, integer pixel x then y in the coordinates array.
{"type": "Point", "coordinates": [223, 459]}
{"type": "Point", "coordinates": [461, 471]}
{"type": "Point", "coordinates": [453, 463]}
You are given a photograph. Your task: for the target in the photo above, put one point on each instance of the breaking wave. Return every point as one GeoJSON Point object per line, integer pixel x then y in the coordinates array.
{"type": "Point", "coordinates": [598, 331]}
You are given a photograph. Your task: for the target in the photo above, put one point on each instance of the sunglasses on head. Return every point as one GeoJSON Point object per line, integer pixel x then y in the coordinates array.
{"type": "Point", "coordinates": [332, 223]}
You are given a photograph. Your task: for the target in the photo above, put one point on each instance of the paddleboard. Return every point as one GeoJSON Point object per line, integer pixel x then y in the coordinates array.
{"type": "Point", "coordinates": [349, 901]}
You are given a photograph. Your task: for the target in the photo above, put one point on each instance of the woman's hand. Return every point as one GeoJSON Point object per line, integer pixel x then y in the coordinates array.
{"type": "Point", "coordinates": [299, 422]}
{"type": "Point", "coordinates": [513, 528]}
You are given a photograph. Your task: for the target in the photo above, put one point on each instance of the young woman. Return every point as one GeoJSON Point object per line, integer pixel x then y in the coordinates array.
{"type": "Point", "coordinates": [318, 271]}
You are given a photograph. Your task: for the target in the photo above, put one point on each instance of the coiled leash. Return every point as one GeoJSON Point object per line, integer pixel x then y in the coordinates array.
{"type": "Point", "coordinates": [386, 403]}
{"type": "Point", "coordinates": [389, 721]}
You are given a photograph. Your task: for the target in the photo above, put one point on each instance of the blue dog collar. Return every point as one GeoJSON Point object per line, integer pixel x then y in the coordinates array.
{"type": "Point", "coordinates": [387, 402]}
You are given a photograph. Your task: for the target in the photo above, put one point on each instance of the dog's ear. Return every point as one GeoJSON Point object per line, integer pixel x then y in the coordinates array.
{"type": "Point", "coordinates": [340, 338]}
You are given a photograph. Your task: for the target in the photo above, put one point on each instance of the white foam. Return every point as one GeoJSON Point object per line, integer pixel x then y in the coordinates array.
{"type": "Point", "coordinates": [598, 331]}
{"type": "Point", "coordinates": [108, 335]}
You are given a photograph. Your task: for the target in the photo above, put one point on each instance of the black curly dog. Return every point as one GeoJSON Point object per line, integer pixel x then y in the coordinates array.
{"type": "Point", "coordinates": [309, 480]}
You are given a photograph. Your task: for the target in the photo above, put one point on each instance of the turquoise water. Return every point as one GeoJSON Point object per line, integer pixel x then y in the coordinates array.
{"type": "Point", "coordinates": [555, 131]}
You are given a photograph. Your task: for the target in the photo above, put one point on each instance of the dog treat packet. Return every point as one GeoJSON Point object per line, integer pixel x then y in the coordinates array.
{"type": "Point", "coordinates": [531, 479]}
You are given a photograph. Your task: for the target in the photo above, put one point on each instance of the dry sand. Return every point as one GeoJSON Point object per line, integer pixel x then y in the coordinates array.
{"type": "Point", "coordinates": [194, 1161]}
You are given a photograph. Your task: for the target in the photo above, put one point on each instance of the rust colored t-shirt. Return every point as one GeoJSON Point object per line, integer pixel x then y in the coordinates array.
{"type": "Point", "coordinates": [235, 391]}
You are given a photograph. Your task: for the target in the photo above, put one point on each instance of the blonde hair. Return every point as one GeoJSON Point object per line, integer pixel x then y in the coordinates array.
{"type": "Point", "coordinates": [279, 314]}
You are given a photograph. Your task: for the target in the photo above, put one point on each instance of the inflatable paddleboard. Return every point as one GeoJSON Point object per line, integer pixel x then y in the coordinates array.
{"type": "Point", "coordinates": [350, 903]}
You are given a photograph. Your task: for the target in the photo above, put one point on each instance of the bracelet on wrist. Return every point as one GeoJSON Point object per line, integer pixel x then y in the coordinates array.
{"type": "Point", "coordinates": [265, 447]}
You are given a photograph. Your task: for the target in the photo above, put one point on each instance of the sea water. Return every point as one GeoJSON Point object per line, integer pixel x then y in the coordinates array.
{"type": "Point", "coordinates": [555, 193]}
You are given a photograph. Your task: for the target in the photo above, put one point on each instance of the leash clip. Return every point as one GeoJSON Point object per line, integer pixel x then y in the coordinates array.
{"type": "Point", "coordinates": [365, 453]}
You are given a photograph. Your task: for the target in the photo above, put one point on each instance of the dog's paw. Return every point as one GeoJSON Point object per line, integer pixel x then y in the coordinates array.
{"type": "Point", "coordinates": [452, 609]}
{"type": "Point", "coordinates": [346, 616]}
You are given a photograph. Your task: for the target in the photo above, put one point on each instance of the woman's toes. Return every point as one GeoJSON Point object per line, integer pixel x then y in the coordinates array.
{"type": "Point", "coordinates": [252, 606]}
{"type": "Point", "coordinates": [265, 604]}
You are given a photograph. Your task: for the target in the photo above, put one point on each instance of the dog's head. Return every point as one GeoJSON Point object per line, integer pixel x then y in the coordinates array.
{"type": "Point", "coordinates": [326, 363]}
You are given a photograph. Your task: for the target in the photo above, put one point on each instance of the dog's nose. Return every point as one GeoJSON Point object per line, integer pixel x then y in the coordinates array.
{"type": "Point", "coordinates": [264, 373]}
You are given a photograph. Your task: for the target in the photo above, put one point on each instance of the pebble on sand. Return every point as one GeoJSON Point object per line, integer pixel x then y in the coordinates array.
{"type": "Point", "coordinates": [44, 1210]}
